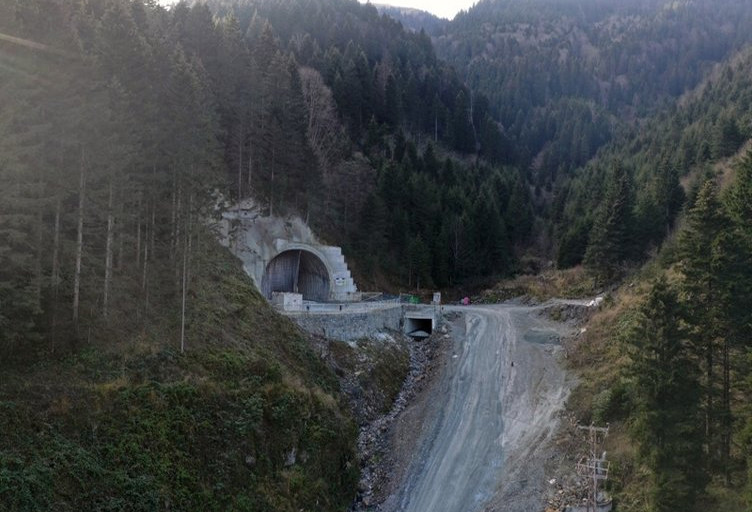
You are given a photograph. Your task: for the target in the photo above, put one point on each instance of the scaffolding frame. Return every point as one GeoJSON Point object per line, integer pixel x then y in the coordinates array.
{"type": "Point", "coordinates": [592, 466]}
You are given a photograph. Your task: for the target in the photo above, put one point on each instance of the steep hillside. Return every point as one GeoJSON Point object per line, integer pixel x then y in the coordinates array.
{"type": "Point", "coordinates": [408, 163]}
{"type": "Point", "coordinates": [666, 363]}
{"type": "Point", "coordinates": [682, 143]}
{"type": "Point", "coordinates": [248, 418]}
{"type": "Point", "coordinates": [564, 77]}
{"type": "Point", "coordinates": [140, 369]}
{"type": "Point", "coordinates": [667, 357]}
{"type": "Point", "coordinates": [121, 119]}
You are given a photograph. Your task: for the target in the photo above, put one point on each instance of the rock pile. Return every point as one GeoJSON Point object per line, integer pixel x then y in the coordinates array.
{"type": "Point", "coordinates": [373, 442]}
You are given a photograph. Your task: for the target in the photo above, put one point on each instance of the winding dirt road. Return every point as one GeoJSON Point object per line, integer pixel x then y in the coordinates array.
{"type": "Point", "coordinates": [482, 442]}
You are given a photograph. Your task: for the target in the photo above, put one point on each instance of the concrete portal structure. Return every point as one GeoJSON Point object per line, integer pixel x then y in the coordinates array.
{"type": "Point", "coordinates": [297, 271]}
{"type": "Point", "coordinates": [283, 255]}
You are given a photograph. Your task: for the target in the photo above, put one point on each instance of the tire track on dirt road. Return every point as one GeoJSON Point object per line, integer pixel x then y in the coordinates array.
{"type": "Point", "coordinates": [498, 399]}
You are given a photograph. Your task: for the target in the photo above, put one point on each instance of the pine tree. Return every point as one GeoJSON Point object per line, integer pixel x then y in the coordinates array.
{"type": "Point", "coordinates": [419, 263]}
{"type": "Point", "coordinates": [19, 300]}
{"type": "Point", "coordinates": [732, 259]}
{"type": "Point", "coordinates": [519, 212]}
{"type": "Point", "coordinates": [462, 129]}
{"type": "Point", "coordinates": [610, 237]}
{"type": "Point", "coordinates": [666, 395]}
{"type": "Point", "coordinates": [701, 292]}
{"type": "Point", "coordinates": [573, 244]}
{"type": "Point", "coordinates": [726, 135]}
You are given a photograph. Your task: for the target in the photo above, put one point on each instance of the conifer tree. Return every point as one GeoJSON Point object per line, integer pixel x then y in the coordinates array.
{"type": "Point", "coordinates": [701, 292]}
{"type": "Point", "coordinates": [610, 237]}
{"type": "Point", "coordinates": [733, 261]}
{"type": "Point", "coordinates": [666, 395]}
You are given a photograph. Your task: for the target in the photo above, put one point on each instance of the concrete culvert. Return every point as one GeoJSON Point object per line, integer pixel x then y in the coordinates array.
{"type": "Point", "coordinates": [297, 271]}
{"type": "Point", "coordinates": [418, 327]}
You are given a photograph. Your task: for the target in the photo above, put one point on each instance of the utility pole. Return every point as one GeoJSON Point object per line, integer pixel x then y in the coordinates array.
{"type": "Point", "coordinates": [593, 467]}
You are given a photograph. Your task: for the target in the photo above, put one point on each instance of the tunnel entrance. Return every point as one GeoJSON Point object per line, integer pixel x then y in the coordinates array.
{"type": "Point", "coordinates": [297, 271]}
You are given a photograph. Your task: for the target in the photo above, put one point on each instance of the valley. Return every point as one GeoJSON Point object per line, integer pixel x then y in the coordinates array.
{"type": "Point", "coordinates": [165, 165]}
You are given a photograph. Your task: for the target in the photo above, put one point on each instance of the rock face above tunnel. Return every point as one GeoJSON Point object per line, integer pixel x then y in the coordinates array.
{"type": "Point", "coordinates": [283, 255]}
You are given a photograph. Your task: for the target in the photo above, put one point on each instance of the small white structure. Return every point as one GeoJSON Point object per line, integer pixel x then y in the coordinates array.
{"type": "Point", "coordinates": [288, 301]}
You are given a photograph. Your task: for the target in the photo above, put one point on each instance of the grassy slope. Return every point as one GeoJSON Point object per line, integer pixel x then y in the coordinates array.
{"type": "Point", "coordinates": [139, 426]}
{"type": "Point", "coordinates": [561, 284]}
{"type": "Point", "coordinates": [602, 396]}
{"type": "Point", "coordinates": [599, 356]}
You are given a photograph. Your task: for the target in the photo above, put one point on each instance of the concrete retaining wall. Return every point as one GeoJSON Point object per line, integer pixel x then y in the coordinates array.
{"type": "Point", "coordinates": [349, 326]}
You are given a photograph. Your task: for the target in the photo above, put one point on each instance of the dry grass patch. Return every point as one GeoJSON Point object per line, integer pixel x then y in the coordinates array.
{"type": "Point", "coordinates": [567, 284]}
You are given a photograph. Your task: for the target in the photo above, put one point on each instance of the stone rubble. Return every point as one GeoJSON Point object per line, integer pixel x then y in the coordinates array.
{"type": "Point", "coordinates": [373, 441]}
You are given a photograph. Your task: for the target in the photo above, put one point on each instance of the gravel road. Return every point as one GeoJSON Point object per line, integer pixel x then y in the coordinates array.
{"type": "Point", "coordinates": [480, 444]}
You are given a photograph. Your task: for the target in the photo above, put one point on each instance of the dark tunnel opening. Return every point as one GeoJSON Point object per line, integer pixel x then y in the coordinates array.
{"type": "Point", "coordinates": [297, 271]}
{"type": "Point", "coordinates": [418, 327]}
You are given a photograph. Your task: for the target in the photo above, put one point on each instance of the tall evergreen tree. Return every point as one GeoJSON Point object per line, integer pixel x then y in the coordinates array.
{"type": "Point", "coordinates": [610, 243]}
{"type": "Point", "coordinates": [666, 395]}
{"type": "Point", "coordinates": [701, 289]}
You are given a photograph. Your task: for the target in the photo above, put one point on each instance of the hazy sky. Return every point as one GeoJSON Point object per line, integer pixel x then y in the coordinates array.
{"type": "Point", "coordinates": [443, 8]}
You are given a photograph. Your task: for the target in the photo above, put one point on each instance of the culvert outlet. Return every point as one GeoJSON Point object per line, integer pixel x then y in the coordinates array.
{"type": "Point", "coordinates": [418, 327]}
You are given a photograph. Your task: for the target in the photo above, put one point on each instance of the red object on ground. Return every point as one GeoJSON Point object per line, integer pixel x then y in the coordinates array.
{"type": "Point", "coordinates": [466, 301]}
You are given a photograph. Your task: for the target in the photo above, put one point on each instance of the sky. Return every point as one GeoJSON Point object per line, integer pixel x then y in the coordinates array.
{"type": "Point", "coordinates": [442, 8]}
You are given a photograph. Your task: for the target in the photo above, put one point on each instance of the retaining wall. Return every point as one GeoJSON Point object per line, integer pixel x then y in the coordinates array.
{"type": "Point", "coordinates": [350, 326]}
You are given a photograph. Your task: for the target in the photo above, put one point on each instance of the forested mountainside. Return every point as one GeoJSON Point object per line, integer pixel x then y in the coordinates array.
{"type": "Point", "coordinates": [695, 323]}
{"type": "Point", "coordinates": [140, 368]}
{"type": "Point", "coordinates": [120, 119]}
{"type": "Point", "coordinates": [120, 116]}
{"type": "Point", "coordinates": [410, 161]}
{"type": "Point", "coordinates": [674, 375]}
{"type": "Point", "coordinates": [666, 85]}
{"type": "Point", "coordinates": [564, 77]}
{"type": "Point", "coordinates": [666, 363]}
{"type": "Point", "coordinates": [413, 19]}
{"type": "Point", "coordinates": [595, 132]}
{"type": "Point", "coordinates": [706, 126]}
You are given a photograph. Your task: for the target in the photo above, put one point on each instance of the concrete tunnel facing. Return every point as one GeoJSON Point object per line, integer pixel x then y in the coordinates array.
{"type": "Point", "coordinates": [297, 271]}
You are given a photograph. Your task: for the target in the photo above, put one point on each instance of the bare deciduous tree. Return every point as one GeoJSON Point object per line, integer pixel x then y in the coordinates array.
{"type": "Point", "coordinates": [325, 133]}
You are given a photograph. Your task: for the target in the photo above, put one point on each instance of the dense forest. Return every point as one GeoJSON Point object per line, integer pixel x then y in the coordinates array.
{"type": "Point", "coordinates": [576, 86]}
{"type": "Point", "coordinates": [629, 119]}
{"type": "Point", "coordinates": [682, 143]}
{"type": "Point", "coordinates": [141, 369]}
{"type": "Point", "coordinates": [160, 377]}
{"type": "Point", "coordinates": [565, 77]}
{"type": "Point", "coordinates": [405, 192]}
{"type": "Point", "coordinates": [122, 118]}
{"type": "Point", "coordinates": [681, 393]}
{"type": "Point", "coordinates": [668, 365]}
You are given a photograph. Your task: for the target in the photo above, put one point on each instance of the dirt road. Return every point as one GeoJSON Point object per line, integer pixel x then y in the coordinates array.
{"type": "Point", "coordinates": [481, 442]}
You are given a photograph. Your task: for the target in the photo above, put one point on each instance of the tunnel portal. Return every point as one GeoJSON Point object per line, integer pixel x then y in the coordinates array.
{"type": "Point", "coordinates": [297, 271]}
